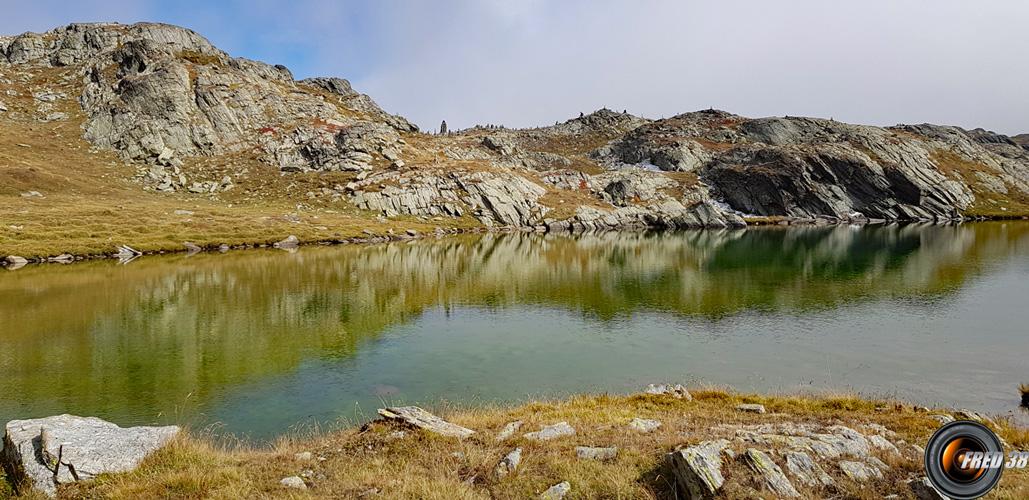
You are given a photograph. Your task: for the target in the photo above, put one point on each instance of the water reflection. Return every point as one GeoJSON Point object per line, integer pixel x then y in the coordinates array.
{"type": "Point", "coordinates": [165, 337]}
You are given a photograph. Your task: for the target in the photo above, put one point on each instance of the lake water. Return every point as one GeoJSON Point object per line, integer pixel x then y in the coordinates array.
{"type": "Point", "coordinates": [262, 341]}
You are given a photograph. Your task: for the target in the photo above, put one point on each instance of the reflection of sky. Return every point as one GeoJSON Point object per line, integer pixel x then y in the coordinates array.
{"type": "Point", "coordinates": [532, 62]}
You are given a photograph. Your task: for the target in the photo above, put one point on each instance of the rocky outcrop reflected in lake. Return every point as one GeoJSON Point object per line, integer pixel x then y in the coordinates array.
{"type": "Point", "coordinates": [263, 340]}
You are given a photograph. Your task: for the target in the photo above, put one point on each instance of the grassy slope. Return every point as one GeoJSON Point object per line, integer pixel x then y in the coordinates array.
{"type": "Point", "coordinates": [90, 203]}
{"type": "Point", "coordinates": [419, 465]}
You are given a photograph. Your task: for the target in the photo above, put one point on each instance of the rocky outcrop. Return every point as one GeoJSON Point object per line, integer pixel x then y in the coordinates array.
{"type": "Point", "coordinates": [156, 93]}
{"type": "Point", "coordinates": [159, 95]}
{"type": "Point", "coordinates": [495, 199]}
{"type": "Point", "coordinates": [777, 455]}
{"type": "Point", "coordinates": [805, 167]}
{"type": "Point", "coordinates": [50, 451]}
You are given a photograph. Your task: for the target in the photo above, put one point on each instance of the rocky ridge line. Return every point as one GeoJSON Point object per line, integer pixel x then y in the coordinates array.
{"type": "Point", "coordinates": [158, 94]}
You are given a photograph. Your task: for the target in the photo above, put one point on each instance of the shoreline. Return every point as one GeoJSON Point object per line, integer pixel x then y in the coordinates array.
{"type": "Point", "coordinates": [13, 262]}
{"type": "Point", "coordinates": [600, 445]}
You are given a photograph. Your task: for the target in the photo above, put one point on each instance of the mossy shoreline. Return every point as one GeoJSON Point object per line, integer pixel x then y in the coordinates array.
{"type": "Point", "coordinates": [388, 460]}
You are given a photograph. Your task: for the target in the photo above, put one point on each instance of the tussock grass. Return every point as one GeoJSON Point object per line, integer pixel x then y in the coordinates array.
{"type": "Point", "coordinates": [375, 457]}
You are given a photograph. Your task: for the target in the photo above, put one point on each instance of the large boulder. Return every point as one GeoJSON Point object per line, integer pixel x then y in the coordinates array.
{"type": "Point", "coordinates": [46, 452]}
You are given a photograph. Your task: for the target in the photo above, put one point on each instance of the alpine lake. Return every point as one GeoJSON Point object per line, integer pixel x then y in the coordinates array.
{"type": "Point", "coordinates": [258, 343]}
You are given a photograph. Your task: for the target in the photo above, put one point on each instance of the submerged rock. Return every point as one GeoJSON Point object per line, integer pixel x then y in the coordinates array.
{"type": "Point", "coordinates": [46, 452]}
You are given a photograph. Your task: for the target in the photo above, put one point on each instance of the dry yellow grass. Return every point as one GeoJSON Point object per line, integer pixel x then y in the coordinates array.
{"type": "Point", "coordinates": [374, 458]}
{"type": "Point", "coordinates": [90, 204]}
{"type": "Point", "coordinates": [987, 203]}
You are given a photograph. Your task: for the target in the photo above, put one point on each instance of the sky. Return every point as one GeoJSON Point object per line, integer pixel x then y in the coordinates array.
{"type": "Point", "coordinates": [535, 62]}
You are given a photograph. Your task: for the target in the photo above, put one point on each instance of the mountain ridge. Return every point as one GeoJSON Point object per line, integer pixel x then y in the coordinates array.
{"type": "Point", "coordinates": [190, 121]}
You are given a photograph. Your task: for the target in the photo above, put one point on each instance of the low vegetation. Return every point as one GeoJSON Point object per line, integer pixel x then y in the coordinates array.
{"type": "Point", "coordinates": [383, 459]}
{"type": "Point", "coordinates": [1014, 203]}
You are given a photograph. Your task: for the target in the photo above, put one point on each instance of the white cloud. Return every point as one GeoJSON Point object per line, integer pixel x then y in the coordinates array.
{"type": "Point", "coordinates": [878, 62]}
{"type": "Point", "coordinates": [533, 62]}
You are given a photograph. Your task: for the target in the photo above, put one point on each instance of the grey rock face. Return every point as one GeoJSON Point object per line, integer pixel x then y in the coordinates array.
{"type": "Point", "coordinates": [558, 430]}
{"type": "Point", "coordinates": [804, 167]}
{"type": "Point", "coordinates": [62, 449]}
{"type": "Point", "coordinates": [698, 469]}
{"type": "Point", "coordinates": [924, 490]}
{"type": "Point", "coordinates": [806, 470]}
{"type": "Point", "coordinates": [151, 88]}
{"type": "Point", "coordinates": [359, 102]}
{"type": "Point", "coordinates": [770, 474]}
{"type": "Point", "coordinates": [860, 472]}
{"type": "Point", "coordinates": [495, 199]}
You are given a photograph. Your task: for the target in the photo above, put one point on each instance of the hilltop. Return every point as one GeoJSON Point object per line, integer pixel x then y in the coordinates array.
{"type": "Point", "coordinates": [150, 136]}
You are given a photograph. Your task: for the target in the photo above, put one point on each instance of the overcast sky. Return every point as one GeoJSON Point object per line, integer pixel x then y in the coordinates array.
{"type": "Point", "coordinates": [533, 62]}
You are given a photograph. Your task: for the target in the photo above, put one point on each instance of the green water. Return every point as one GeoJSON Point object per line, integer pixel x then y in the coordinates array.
{"type": "Point", "coordinates": [261, 341]}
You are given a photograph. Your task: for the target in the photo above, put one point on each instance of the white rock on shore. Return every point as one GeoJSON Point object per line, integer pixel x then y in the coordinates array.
{"type": "Point", "coordinates": [65, 448]}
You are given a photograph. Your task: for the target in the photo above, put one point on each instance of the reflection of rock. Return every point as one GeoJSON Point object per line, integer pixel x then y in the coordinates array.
{"type": "Point", "coordinates": [64, 449]}
{"type": "Point", "coordinates": [15, 262]}
{"type": "Point", "coordinates": [687, 274]}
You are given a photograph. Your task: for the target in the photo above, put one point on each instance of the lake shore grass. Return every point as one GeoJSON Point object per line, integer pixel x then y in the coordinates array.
{"type": "Point", "coordinates": [384, 460]}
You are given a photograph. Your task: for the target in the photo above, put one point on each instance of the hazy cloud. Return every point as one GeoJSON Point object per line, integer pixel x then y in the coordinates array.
{"type": "Point", "coordinates": [533, 62]}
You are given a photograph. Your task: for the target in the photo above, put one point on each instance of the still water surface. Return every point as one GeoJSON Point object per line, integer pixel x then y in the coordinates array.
{"type": "Point", "coordinates": [262, 341]}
